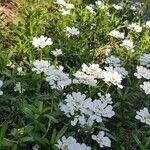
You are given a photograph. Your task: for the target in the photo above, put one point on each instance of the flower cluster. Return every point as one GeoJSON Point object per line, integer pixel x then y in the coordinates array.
{"type": "Point", "coordinates": [128, 45]}
{"type": "Point", "coordinates": [57, 52]}
{"type": "Point", "coordinates": [135, 27]}
{"type": "Point", "coordinates": [85, 111]}
{"type": "Point", "coordinates": [65, 7]}
{"type": "Point", "coordinates": [54, 75]}
{"type": "Point", "coordinates": [102, 140]}
{"type": "Point", "coordinates": [71, 31]}
{"type": "Point", "coordinates": [41, 42]}
{"type": "Point", "coordinates": [143, 72]}
{"type": "Point", "coordinates": [143, 115]}
{"type": "Point", "coordinates": [117, 34]}
{"type": "Point", "coordinates": [71, 143]}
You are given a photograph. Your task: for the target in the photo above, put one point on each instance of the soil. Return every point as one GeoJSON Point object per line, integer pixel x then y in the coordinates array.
{"type": "Point", "coordinates": [7, 12]}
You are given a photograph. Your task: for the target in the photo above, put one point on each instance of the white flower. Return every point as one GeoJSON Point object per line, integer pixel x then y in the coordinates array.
{"type": "Point", "coordinates": [146, 87]}
{"type": "Point", "coordinates": [57, 78]}
{"type": "Point", "coordinates": [71, 31]}
{"type": "Point", "coordinates": [35, 147]}
{"type": "Point", "coordinates": [100, 109]}
{"type": "Point", "coordinates": [107, 51]}
{"type": "Point", "coordinates": [18, 88]}
{"type": "Point", "coordinates": [81, 77]}
{"type": "Point", "coordinates": [105, 98]}
{"type": "Point", "coordinates": [113, 61]}
{"type": "Point", "coordinates": [84, 111]}
{"type": "Point", "coordinates": [41, 42]}
{"type": "Point", "coordinates": [1, 84]}
{"type": "Point", "coordinates": [92, 70]}
{"type": "Point", "coordinates": [75, 102]}
{"type": "Point", "coordinates": [70, 143]}
{"type": "Point", "coordinates": [40, 66]}
{"type": "Point", "coordinates": [147, 24]}
{"type": "Point", "coordinates": [142, 72]}
{"type": "Point", "coordinates": [57, 52]}
{"type": "Point", "coordinates": [91, 8]}
{"type": "Point", "coordinates": [127, 44]}
{"type": "Point", "coordinates": [135, 27]}
{"type": "Point", "coordinates": [145, 60]}
{"type": "Point", "coordinates": [69, 6]}
{"type": "Point", "coordinates": [117, 7]}
{"type": "Point", "coordinates": [101, 139]}
{"type": "Point", "coordinates": [61, 2]}
{"type": "Point", "coordinates": [100, 4]}
{"type": "Point", "coordinates": [117, 34]}
{"type": "Point", "coordinates": [64, 12]}
{"type": "Point", "coordinates": [20, 71]}
{"type": "Point", "coordinates": [112, 76]}
{"type": "Point", "coordinates": [143, 115]}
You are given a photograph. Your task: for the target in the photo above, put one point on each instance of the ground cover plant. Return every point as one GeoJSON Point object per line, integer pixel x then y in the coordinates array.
{"type": "Point", "coordinates": [74, 75]}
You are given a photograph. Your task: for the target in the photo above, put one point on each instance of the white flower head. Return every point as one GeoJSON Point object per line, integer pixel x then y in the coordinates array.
{"type": "Point", "coordinates": [117, 34]}
{"type": "Point", "coordinates": [70, 143]}
{"type": "Point", "coordinates": [57, 52]}
{"type": "Point", "coordinates": [102, 140]}
{"type": "Point", "coordinates": [100, 4]}
{"type": "Point", "coordinates": [64, 12]}
{"type": "Point", "coordinates": [18, 88]}
{"type": "Point", "coordinates": [145, 60]}
{"type": "Point", "coordinates": [143, 115]}
{"type": "Point", "coordinates": [111, 76]}
{"type": "Point", "coordinates": [147, 25]}
{"type": "Point", "coordinates": [41, 42]}
{"type": "Point", "coordinates": [56, 78]}
{"type": "Point", "coordinates": [117, 7]}
{"type": "Point", "coordinates": [142, 72]}
{"type": "Point", "coordinates": [91, 8]}
{"type": "Point", "coordinates": [127, 44]}
{"type": "Point", "coordinates": [40, 66]}
{"type": "Point", "coordinates": [71, 31]}
{"type": "Point", "coordinates": [146, 87]}
{"type": "Point", "coordinates": [36, 147]}
{"type": "Point", "coordinates": [113, 61]}
{"type": "Point", "coordinates": [135, 27]}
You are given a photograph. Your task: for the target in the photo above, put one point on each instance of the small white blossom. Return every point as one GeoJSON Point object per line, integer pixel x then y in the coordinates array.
{"type": "Point", "coordinates": [145, 60]}
{"type": "Point", "coordinates": [117, 34]}
{"type": "Point", "coordinates": [142, 72]}
{"type": "Point", "coordinates": [56, 78]}
{"type": "Point", "coordinates": [147, 24]}
{"type": "Point", "coordinates": [64, 12]}
{"type": "Point", "coordinates": [81, 77]}
{"type": "Point", "coordinates": [18, 88]}
{"type": "Point", "coordinates": [36, 147]}
{"type": "Point", "coordinates": [71, 31]}
{"type": "Point", "coordinates": [41, 42]}
{"type": "Point", "coordinates": [70, 143]}
{"type": "Point", "coordinates": [111, 76]}
{"type": "Point", "coordinates": [105, 98]}
{"type": "Point", "coordinates": [127, 44]}
{"type": "Point", "coordinates": [91, 8]}
{"type": "Point", "coordinates": [40, 66]}
{"type": "Point", "coordinates": [107, 51]}
{"type": "Point", "coordinates": [57, 52]}
{"type": "Point", "coordinates": [135, 27]}
{"type": "Point", "coordinates": [113, 61]}
{"type": "Point", "coordinates": [117, 7]}
{"type": "Point", "coordinates": [20, 71]}
{"type": "Point", "coordinates": [1, 84]}
{"type": "Point", "coordinates": [102, 140]}
{"type": "Point", "coordinates": [143, 115]}
{"type": "Point", "coordinates": [100, 4]}
{"type": "Point", "coordinates": [146, 87]}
